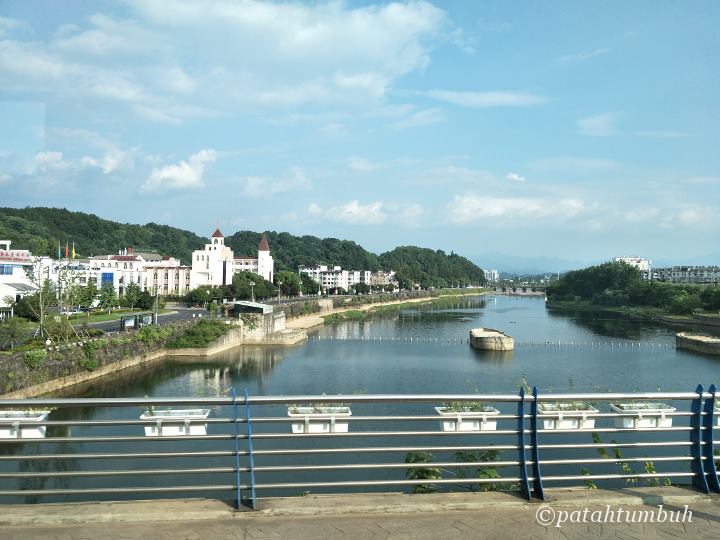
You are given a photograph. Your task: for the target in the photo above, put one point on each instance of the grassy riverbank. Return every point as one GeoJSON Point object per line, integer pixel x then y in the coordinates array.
{"type": "Point", "coordinates": [368, 311]}
{"type": "Point", "coordinates": [641, 313]}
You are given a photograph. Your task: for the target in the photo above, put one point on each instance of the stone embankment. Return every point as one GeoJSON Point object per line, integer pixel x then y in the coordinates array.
{"type": "Point", "coordinates": [488, 339]}
{"type": "Point", "coordinates": [696, 343]}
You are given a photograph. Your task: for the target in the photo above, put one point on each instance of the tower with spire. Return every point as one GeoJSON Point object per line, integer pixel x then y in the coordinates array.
{"type": "Point", "coordinates": [216, 263]}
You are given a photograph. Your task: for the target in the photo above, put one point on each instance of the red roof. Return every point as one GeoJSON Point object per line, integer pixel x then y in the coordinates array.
{"type": "Point", "coordinates": [264, 246]}
{"type": "Point", "coordinates": [124, 258]}
{"type": "Point", "coordinates": [217, 234]}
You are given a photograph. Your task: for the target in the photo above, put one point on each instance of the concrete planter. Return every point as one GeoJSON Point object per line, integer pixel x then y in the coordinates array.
{"type": "Point", "coordinates": [567, 415]}
{"type": "Point", "coordinates": [319, 419]}
{"type": "Point", "coordinates": [468, 420]}
{"type": "Point", "coordinates": [176, 422]}
{"type": "Point", "coordinates": [10, 427]}
{"type": "Point", "coordinates": [646, 415]}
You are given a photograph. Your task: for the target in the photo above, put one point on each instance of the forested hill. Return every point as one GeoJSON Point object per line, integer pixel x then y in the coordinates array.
{"type": "Point", "coordinates": [40, 230]}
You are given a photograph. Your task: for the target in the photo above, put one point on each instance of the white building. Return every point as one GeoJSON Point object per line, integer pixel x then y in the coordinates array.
{"type": "Point", "coordinates": [492, 275]}
{"type": "Point", "coordinates": [700, 275]}
{"type": "Point", "coordinates": [14, 282]}
{"type": "Point", "coordinates": [216, 263]}
{"type": "Point", "coordinates": [336, 277]}
{"type": "Point", "coordinates": [638, 262]}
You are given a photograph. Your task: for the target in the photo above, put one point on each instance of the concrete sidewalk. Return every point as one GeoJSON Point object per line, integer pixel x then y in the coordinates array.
{"type": "Point", "coordinates": [397, 516]}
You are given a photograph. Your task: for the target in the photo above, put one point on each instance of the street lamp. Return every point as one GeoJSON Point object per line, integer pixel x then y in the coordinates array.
{"type": "Point", "coordinates": [252, 291]}
{"type": "Point", "coordinates": [279, 287]}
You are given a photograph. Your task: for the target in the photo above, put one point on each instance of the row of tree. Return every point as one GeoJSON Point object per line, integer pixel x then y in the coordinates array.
{"type": "Point", "coordinates": [41, 229]}
{"type": "Point", "coordinates": [620, 284]}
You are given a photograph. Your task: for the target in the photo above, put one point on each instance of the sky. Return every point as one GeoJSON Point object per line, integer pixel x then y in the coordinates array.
{"type": "Point", "coordinates": [579, 130]}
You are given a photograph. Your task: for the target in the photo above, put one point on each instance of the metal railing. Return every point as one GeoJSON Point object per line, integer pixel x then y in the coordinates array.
{"type": "Point", "coordinates": [95, 447]}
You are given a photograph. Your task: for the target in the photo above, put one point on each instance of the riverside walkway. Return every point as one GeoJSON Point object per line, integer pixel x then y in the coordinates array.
{"type": "Point", "coordinates": [625, 513]}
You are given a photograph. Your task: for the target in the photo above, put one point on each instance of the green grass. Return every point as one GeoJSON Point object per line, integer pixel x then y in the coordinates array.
{"type": "Point", "coordinates": [350, 315]}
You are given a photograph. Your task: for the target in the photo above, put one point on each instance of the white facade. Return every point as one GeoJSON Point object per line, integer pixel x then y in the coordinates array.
{"type": "Point", "coordinates": [216, 263]}
{"type": "Point", "coordinates": [336, 277]}
{"type": "Point", "coordinates": [149, 271]}
{"type": "Point", "coordinates": [638, 262]}
{"type": "Point", "coordinates": [492, 275]}
{"type": "Point", "coordinates": [701, 275]}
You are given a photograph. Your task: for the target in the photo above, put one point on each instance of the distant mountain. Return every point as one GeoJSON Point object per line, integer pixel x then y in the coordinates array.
{"type": "Point", "coordinates": [41, 229]}
{"type": "Point", "coordinates": [514, 264]}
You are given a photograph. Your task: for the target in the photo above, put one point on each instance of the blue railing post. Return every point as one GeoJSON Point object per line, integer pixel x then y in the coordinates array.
{"type": "Point", "coordinates": [537, 483]}
{"type": "Point", "coordinates": [710, 468]}
{"type": "Point", "coordinates": [238, 491]}
{"type": "Point", "coordinates": [524, 485]}
{"type": "Point", "coordinates": [699, 480]}
{"type": "Point", "coordinates": [251, 458]}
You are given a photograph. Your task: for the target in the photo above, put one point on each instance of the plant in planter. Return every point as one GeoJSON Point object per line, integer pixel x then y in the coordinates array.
{"type": "Point", "coordinates": [467, 416]}
{"type": "Point", "coordinates": [645, 414]}
{"type": "Point", "coordinates": [573, 414]}
{"type": "Point", "coordinates": [319, 417]}
{"type": "Point", "coordinates": [175, 422]}
{"type": "Point", "coordinates": [11, 428]}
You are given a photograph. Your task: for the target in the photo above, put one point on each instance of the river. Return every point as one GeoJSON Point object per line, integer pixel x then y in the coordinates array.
{"type": "Point", "coordinates": [418, 350]}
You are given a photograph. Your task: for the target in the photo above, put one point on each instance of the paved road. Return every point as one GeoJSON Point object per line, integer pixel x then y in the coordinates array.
{"type": "Point", "coordinates": [177, 314]}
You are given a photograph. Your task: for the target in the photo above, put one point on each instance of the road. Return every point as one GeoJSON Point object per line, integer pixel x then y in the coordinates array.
{"type": "Point", "coordinates": [177, 314]}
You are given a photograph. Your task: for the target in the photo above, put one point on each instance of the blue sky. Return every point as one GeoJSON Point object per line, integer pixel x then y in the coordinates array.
{"type": "Point", "coordinates": [581, 130]}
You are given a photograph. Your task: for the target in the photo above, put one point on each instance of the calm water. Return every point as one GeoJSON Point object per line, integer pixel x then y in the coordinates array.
{"type": "Point", "coordinates": [597, 352]}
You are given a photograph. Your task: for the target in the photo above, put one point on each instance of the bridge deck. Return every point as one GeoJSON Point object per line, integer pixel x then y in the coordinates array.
{"type": "Point", "coordinates": [436, 516]}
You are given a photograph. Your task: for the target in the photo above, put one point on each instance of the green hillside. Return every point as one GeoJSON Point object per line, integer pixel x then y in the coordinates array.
{"type": "Point", "coordinates": [40, 229]}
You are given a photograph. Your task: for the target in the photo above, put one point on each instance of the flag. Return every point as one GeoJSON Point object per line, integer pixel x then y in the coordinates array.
{"type": "Point", "coordinates": [67, 248]}
{"type": "Point", "coordinates": [59, 253]}
{"type": "Point", "coordinates": [73, 251]}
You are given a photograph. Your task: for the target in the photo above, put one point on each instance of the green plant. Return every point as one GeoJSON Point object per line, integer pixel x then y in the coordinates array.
{"type": "Point", "coordinates": [588, 483]}
{"type": "Point", "coordinates": [89, 364]}
{"type": "Point", "coordinates": [35, 358]}
{"type": "Point", "coordinates": [480, 472]}
{"type": "Point", "coordinates": [464, 406]}
{"type": "Point", "coordinates": [422, 473]}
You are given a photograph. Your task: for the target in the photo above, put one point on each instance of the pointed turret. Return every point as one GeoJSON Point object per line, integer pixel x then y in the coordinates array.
{"type": "Point", "coordinates": [264, 246]}
{"type": "Point", "coordinates": [217, 234]}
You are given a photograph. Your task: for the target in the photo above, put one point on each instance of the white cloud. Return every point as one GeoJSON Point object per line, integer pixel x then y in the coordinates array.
{"type": "Point", "coordinates": [8, 25]}
{"type": "Point", "coordinates": [183, 175]}
{"type": "Point", "coordinates": [359, 164]}
{"type": "Point", "coordinates": [4, 178]}
{"type": "Point", "coordinates": [575, 164]}
{"type": "Point", "coordinates": [514, 177]}
{"type": "Point", "coordinates": [262, 186]}
{"type": "Point", "coordinates": [638, 215]}
{"type": "Point", "coordinates": [600, 125]}
{"type": "Point", "coordinates": [478, 100]}
{"type": "Point", "coordinates": [355, 213]}
{"type": "Point", "coordinates": [373, 213]}
{"type": "Point", "coordinates": [420, 118]}
{"type": "Point", "coordinates": [470, 208]}
{"type": "Point", "coordinates": [582, 57]}
{"type": "Point", "coordinates": [273, 54]}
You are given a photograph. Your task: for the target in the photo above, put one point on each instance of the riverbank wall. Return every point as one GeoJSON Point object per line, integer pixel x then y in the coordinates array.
{"type": "Point", "coordinates": [702, 344]}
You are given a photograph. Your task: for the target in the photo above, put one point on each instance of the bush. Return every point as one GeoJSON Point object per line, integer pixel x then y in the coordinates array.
{"type": "Point", "coordinates": [35, 358]}
{"type": "Point", "coordinates": [89, 364]}
{"type": "Point", "coordinates": [199, 335]}
{"type": "Point", "coordinates": [150, 335]}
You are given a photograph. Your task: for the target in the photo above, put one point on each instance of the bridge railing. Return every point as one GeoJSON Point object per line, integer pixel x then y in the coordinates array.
{"type": "Point", "coordinates": [245, 446]}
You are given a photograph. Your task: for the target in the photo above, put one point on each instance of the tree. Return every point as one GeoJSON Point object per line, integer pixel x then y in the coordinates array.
{"type": "Point", "coordinates": [361, 288]}
{"type": "Point", "coordinates": [308, 284]}
{"type": "Point", "coordinates": [145, 300]}
{"type": "Point", "coordinates": [131, 294]}
{"type": "Point", "coordinates": [89, 294]}
{"type": "Point", "coordinates": [13, 331]}
{"type": "Point", "coordinates": [45, 297]}
{"type": "Point", "coordinates": [291, 283]}
{"type": "Point", "coordinates": [107, 296]}
{"type": "Point", "coordinates": [243, 289]}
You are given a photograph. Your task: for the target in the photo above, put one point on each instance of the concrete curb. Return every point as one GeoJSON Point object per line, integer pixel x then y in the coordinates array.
{"type": "Point", "coordinates": [359, 504]}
